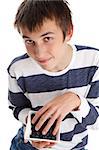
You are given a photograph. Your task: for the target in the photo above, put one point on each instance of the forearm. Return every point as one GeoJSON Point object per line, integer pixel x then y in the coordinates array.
{"type": "Point", "coordinates": [88, 112]}
{"type": "Point", "coordinates": [74, 100]}
{"type": "Point", "coordinates": [78, 120]}
{"type": "Point", "coordinates": [19, 104]}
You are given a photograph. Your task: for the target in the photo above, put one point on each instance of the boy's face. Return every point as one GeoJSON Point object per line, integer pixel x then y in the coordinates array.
{"type": "Point", "coordinates": [47, 46]}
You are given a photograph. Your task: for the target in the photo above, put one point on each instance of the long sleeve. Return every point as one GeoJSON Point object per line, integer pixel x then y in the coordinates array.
{"type": "Point", "coordinates": [88, 113]}
{"type": "Point", "coordinates": [18, 100]}
{"type": "Point", "coordinates": [75, 124]}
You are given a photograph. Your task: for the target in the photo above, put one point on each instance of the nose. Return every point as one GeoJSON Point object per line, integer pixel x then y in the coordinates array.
{"type": "Point", "coordinates": [40, 50]}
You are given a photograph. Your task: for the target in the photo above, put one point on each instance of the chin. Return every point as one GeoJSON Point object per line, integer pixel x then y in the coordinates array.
{"type": "Point", "coordinates": [48, 68]}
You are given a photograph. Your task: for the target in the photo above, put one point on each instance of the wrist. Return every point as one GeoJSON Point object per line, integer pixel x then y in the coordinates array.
{"type": "Point", "coordinates": [76, 101]}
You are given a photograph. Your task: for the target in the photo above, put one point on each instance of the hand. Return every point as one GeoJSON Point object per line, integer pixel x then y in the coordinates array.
{"type": "Point", "coordinates": [42, 144]}
{"type": "Point", "coordinates": [56, 109]}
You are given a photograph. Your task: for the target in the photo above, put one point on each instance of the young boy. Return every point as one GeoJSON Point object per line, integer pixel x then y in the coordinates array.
{"type": "Point", "coordinates": [55, 79]}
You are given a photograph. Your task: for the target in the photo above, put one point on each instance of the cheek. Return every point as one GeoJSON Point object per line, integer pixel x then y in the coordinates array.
{"type": "Point", "coordinates": [30, 51]}
{"type": "Point", "coordinates": [56, 50]}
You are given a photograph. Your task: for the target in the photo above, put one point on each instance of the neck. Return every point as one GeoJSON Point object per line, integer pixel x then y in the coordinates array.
{"type": "Point", "coordinates": [67, 58]}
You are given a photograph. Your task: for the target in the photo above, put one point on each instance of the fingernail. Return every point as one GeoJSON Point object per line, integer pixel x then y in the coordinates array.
{"type": "Point", "coordinates": [43, 132]}
{"type": "Point", "coordinates": [36, 128]}
{"type": "Point", "coordinates": [25, 141]}
{"type": "Point", "coordinates": [48, 142]}
{"type": "Point", "coordinates": [54, 133]}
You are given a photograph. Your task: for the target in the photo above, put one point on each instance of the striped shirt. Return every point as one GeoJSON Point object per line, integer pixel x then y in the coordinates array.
{"type": "Point", "coordinates": [31, 87]}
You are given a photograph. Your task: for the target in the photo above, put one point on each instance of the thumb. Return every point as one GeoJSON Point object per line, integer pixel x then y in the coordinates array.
{"type": "Point", "coordinates": [25, 140]}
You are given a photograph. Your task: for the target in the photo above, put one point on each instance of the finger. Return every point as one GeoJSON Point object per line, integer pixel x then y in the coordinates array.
{"type": "Point", "coordinates": [40, 144]}
{"type": "Point", "coordinates": [44, 144]}
{"type": "Point", "coordinates": [44, 117]}
{"type": "Point", "coordinates": [35, 144]}
{"type": "Point", "coordinates": [50, 122]}
{"type": "Point", "coordinates": [25, 141]}
{"type": "Point", "coordinates": [39, 113]}
{"type": "Point", "coordinates": [36, 141]}
{"type": "Point", "coordinates": [51, 144]}
{"type": "Point", "coordinates": [56, 129]}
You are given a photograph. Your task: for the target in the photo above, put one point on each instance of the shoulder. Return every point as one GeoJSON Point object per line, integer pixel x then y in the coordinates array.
{"type": "Point", "coordinates": [16, 62]}
{"type": "Point", "coordinates": [87, 52]}
{"type": "Point", "coordinates": [19, 58]}
{"type": "Point", "coordinates": [87, 55]}
{"type": "Point", "coordinates": [89, 48]}
{"type": "Point", "coordinates": [23, 66]}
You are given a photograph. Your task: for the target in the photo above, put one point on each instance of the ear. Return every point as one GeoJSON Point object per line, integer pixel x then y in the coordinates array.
{"type": "Point", "coordinates": [69, 34]}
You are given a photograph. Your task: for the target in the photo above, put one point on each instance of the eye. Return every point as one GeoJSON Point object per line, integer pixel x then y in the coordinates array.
{"type": "Point", "coordinates": [29, 42]}
{"type": "Point", "coordinates": [48, 39]}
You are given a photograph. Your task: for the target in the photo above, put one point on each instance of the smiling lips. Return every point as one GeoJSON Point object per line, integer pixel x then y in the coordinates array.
{"type": "Point", "coordinates": [43, 61]}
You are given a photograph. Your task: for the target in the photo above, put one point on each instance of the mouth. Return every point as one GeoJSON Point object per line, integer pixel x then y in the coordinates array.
{"type": "Point", "coordinates": [43, 61]}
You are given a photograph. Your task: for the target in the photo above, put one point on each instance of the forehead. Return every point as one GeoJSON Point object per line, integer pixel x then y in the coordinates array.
{"type": "Point", "coordinates": [47, 26]}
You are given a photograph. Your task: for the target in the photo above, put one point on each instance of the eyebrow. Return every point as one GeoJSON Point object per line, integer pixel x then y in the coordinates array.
{"type": "Point", "coordinates": [46, 34]}
{"type": "Point", "coordinates": [24, 36]}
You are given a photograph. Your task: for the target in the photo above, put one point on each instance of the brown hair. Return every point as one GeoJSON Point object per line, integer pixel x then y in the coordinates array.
{"type": "Point", "coordinates": [32, 13]}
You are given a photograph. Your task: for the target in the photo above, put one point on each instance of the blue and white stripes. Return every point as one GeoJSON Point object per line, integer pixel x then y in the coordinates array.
{"type": "Point", "coordinates": [31, 87]}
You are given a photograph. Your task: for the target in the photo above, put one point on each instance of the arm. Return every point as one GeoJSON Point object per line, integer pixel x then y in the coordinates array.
{"type": "Point", "coordinates": [56, 109]}
{"type": "Point", "coordinates": [18, 101]}
{"type": "Point", "coordinates": [86, 114]}
{"type": "Point", "coordinates": [20, 104]}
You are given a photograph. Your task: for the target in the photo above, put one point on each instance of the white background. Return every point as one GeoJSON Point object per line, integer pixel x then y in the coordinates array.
{"type": "Point", "coordinates": [86, 26]}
